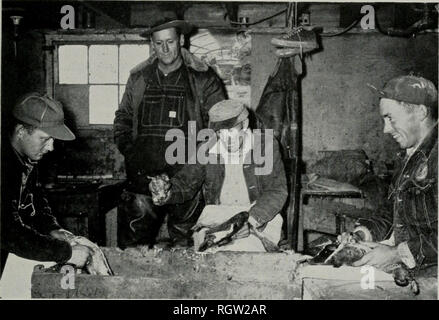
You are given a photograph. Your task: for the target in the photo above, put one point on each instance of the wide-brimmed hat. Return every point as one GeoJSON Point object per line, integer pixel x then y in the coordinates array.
{"type": "Point", "coordinates": [226, 114]}
{"type": "Point", "coordinates": [410, 89]}
{"type": "Point", "coordinates": [166, 23]}
{"type": "Point", "coordinates": [43, 113]}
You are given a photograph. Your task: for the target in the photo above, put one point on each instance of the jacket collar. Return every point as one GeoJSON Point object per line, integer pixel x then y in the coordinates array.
{"type": "Point", "coordinates": [189, 60]}
{"type": "Point", "coordinates": [23, 160]}
{"type": "Point", "coordinates": [423, 150]}
{"type": "Point", "coordinates": [13, 161]}
{"type": "Point", "coordinates": [425, 147]}
{"type": "Point", "coordinates": [427, 143]}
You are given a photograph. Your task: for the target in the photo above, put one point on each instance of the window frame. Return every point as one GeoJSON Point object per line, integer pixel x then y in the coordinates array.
{"type": "Point", "coordinates": [56, 39]}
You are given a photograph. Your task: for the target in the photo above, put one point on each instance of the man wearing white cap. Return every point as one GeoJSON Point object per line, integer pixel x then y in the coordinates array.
{"type": "Point", "coordinates": [243, 204]}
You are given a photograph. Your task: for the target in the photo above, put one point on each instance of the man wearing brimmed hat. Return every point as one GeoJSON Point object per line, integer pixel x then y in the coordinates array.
{"type": "Point", "coordinates": [28, 229]}
{"type": "Point", "coordinates": [165, 92]}
{"type": "Point", "coordinates": [239, 198]}
{"type": "Point", "coordinates": [408, 105]}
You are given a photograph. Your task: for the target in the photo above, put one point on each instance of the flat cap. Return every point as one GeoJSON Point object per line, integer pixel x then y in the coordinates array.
{"type": "Point", "coordinates": [410, 89]}
{"type": "Point", "coordinates": [43, 113]}
{"type": "Point", "coordinates": [226, 114]}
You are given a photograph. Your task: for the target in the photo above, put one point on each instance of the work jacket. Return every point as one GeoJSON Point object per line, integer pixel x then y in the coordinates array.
{"type": "Point", "coordinates": [26, 219]}
{"type": "Point", "coordinates": [414, 194]}
{"type": "Point", "coordinates": [268, 191]}
{"type": "Point", "coordinates": [203, 90]}
{"type": "Point", "coordinates": [415, 201]}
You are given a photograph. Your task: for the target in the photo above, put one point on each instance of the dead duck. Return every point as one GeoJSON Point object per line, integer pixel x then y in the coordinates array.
{"type": "Point", "coordinates": [339, 254]}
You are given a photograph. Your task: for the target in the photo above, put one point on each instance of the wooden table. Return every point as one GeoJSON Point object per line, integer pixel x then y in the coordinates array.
{"type": "Point", "coordinates": [81, 207]}
{"type": "Point", "coordinates": [312, 193]}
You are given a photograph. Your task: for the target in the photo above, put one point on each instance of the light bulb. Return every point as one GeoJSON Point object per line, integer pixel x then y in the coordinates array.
{"type": "Point", "coordinates": [16, 20]}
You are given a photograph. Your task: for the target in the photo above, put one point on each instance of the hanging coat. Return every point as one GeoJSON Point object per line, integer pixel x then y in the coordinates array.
{"type": "Point", "coordinates": [278, 108]}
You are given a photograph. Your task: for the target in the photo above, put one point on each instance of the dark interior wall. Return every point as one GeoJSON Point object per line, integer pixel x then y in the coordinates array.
{"type": "Point", "coordinates": [338, 109]}
{"type": "Point", "coordinates": [21, 73]}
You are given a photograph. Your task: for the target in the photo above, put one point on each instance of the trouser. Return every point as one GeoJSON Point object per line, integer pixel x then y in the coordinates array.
{"type": "Point", "coordinates": [139, 221]}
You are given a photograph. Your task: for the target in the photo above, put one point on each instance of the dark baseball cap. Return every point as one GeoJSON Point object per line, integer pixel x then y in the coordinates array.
{"type": "Point", "coordinates": [226, 114]}
{"type": "Point", "coordinates": [167, 23]}
{"type": "Point", "coordinates": [410, 89]}
{"type": "Point", "coordinates": [43, 113]}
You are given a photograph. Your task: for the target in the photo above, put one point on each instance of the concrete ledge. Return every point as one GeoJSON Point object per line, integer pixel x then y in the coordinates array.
{"type": "Point", "coordinates": [179, 274]}
{"type": "Point", "coordinates": [182, 274]}
{"type": "Point", "coordinates": [240, 266]}
{"type": "Point", "coordinates": [323, 289]}
{"type": "Point", "coordinates": [117, 287]}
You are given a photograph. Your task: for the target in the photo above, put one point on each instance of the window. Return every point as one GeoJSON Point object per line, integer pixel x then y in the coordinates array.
{"type": "Point", "coordinates": [90, 78]}
{"type": "Point", "coordinates": [88, 72]}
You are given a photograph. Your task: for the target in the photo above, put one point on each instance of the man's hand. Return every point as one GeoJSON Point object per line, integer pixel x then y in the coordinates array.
{"type": "Point", "coordinates": [160, 188]}
{"type": "Point", "coordinates": [80, 255]}
{"type": "Point", "coordinates": [380, 257]}
{"type": "Point", "coordinates": [253, 222]}
{"type": "Point", "coordinates": [62, 234]}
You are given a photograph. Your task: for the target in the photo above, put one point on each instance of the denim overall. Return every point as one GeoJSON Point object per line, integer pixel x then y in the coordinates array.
{"type": "Point", "coordinates": [162, 108]}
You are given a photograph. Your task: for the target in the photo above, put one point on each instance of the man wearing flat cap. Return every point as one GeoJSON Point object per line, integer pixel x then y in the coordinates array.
{"type": "Point", "coordinates": [243, 203]}
{"type": "Point", "coordinates": [28, 230]}
{"type": "Point", "coordinates": [165, 92]}
{"type": "Point", "coordinates": [408, 106]}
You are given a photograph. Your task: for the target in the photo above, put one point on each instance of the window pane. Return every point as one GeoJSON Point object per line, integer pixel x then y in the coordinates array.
{"type": "Point", "coordinates": [103, 103]}
{"type": "Point", "coordinates": [103, 63]}
{"type": "Point", "coordinates": [121, 92]}
{"type": "Point", "coordinates": [130, 56]}
{"type": "Point", "coordinates": [72, 64]}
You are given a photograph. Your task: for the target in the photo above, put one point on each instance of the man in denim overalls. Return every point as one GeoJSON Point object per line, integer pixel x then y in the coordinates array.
{"type": "Point", "coordinates": [165, 92]}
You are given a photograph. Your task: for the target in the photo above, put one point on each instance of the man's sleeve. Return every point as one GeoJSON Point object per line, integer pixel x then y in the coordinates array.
{"type": "Point", "coordinates": [186, 183]}
{"type": "Point", "coordinates": [274, 190]}
{"type": "Point", "coordinates": [123, 122]}
{"type": "Point", "coordinates": [28, 243]}
{"type": "Point", "coordinates": [378, 226]}
{"type": "Point", "coordinates": [424, 247]}
{"type": "Point", "coordinates": [403, 251]}
{"type": "Point", "coordinates": [213, 92]}
{"type": "Point", "coordinates": [44, 221]}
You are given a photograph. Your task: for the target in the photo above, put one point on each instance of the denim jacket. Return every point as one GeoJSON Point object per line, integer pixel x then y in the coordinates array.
{"type": "Point", "coordinates": [268, 191]}
{"type": "Point", "coordinates": [414, 195]}
{"type": "Point", "coordinates": [415, 201]}
{"type": "Point", "coordinates": [26, 219]}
